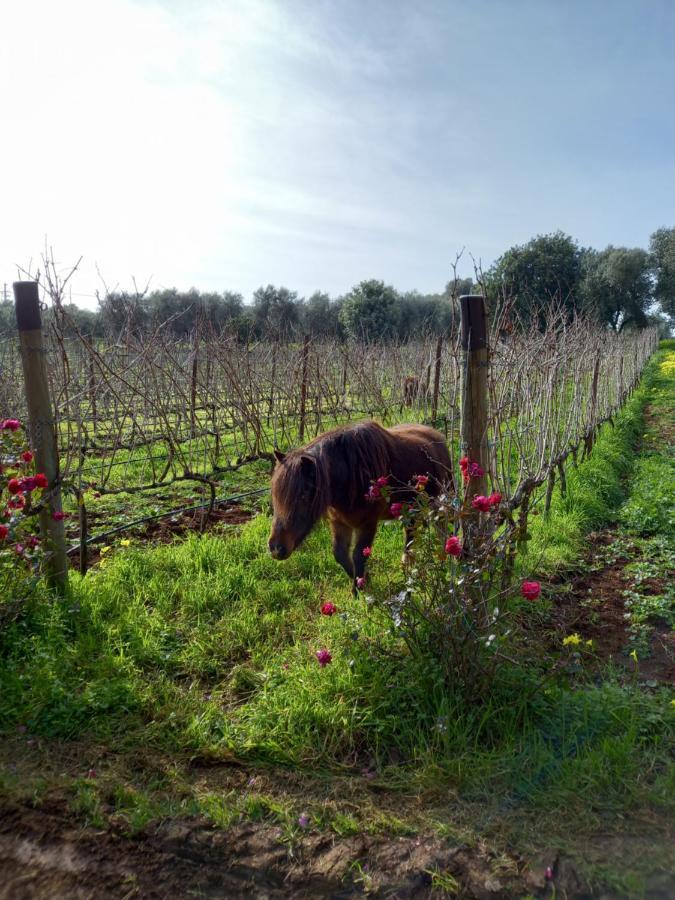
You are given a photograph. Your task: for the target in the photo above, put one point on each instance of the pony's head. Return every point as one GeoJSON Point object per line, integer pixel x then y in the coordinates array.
{"type": "Point", "coordinates": [297, 501]}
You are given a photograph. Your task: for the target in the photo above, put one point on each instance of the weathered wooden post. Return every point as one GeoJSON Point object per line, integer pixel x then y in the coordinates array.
{"type": "Point", "coordinates": [590, 431]}
{"type": "Point", "coordinates": [92, 391]}
{"type": "Point", "coordinates": [474, 388]}
{"type": "Point", "coordinates": [437, 378]}
{"type": "Point", "coordinates": [303, 387]}
{"type": "Point", "coordinates": [194, 369]}
{"type": "Point", "coordinates": [42, 430]}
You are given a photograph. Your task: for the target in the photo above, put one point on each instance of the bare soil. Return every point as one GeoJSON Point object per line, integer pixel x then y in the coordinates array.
{"type": "Point", "coordinates": [45, 853]}
{"type": "Point", "coordinates": [167, 529]}
{"type": "Point", "coordinates": [595, 609]}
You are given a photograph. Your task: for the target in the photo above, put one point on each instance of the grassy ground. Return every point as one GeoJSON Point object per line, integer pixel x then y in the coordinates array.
{"type": "Point", "coordinates": [165, 660]}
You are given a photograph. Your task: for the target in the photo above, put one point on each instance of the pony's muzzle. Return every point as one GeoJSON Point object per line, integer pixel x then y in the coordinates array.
{"type": "Point", "coordinates": [278, 551]}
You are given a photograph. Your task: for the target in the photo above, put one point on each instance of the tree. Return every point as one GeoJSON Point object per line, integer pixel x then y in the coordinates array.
{"type": "Point", "coordinates": [662, 246]}
{"type": "Point", "coordinates": [122, 312]}
{"type": "Point", "coordinates": [321, 315]}
{"type": "Point", "coordinates": [423, 313]}
{"type": "Point", "coordinates": [617, 285]}
{"type": "Point", "coordinates": [276, 312]}
{"type": "Point", "coordinates": [86, 321]}
{"type": "Point", "coordinates": [370, 310]}
{"type": "Point", "coordinates": [7, 318]}
{"type": "Point", "coordinates": [547, 269]}
{"type": "Point", "coordinates": [458, 287]}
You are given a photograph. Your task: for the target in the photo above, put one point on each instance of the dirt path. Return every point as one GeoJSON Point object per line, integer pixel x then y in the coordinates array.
{"type": "Point", "coordinates": [45, 853]}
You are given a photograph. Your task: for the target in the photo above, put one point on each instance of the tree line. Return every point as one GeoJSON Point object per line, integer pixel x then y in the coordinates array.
{"type": "Point", "coordinates": [619, 287]}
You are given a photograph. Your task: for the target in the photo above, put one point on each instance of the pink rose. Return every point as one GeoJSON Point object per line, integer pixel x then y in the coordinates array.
{"type": "Point", "coordinates": [323, 657]}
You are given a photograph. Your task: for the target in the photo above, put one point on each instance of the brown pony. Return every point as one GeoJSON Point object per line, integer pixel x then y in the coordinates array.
{"type": "Point", "coordinates": [331, 477]}
{"type": "Point", "coordinates": [411, 388]}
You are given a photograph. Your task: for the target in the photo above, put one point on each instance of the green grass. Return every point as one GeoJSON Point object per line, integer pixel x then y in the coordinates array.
{"type": "Point", "coordinates": [205, 649]}
{"type": "Point", "coordinates": [598, 487]}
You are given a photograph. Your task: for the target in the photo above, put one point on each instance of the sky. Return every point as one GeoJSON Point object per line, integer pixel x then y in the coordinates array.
{"type": "Point", "coordinates": [316, 143]}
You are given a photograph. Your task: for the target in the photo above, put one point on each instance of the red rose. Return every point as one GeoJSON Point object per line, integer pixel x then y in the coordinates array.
{"type": "Point", "coordinates": [495, 498]}
{"type": "Point", "coordinates": [14, 486]}
{"type": "Point", "coordinates": [481, 503]}
{"type": "Point", "coordinates": [41, 480]}
{"type": "Point", "coordinates": [27, 456]}
{"type": "Point", "coordinates": [328, 609]}
{"type": "Point", "coordinates": [530, 590]}
{"type": "Point", "coordinates": [4, 531]}
{"type": "Point", "coordinates": [453, 546]}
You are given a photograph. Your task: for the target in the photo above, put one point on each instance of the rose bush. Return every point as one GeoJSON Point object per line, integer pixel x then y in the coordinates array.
{"type": "Point", "coordinates": [453, 602]}
{"type": "Point", "coordinates": [21, 492]}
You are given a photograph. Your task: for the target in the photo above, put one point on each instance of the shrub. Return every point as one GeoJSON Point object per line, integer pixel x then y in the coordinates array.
{"type": "Point", "coordinates": [454, 603]}
{"type": "Point", "coordinates": [20, 495]}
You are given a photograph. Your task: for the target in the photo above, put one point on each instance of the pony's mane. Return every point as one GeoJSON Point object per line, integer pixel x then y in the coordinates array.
{"type": "Point", "coordinates": [349, 456]}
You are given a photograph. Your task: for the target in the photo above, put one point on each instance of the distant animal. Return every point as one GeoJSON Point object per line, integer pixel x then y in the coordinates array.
{"type": "Point", "coordinates": [411, 388]}
{"type": "Point", "coordinates": [332, 475]}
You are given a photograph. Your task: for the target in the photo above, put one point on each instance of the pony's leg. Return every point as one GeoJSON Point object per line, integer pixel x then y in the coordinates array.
{"type": "Point", "coordinates": [342, 541]}
{"type": "Point", "coordinates": [364, 538]}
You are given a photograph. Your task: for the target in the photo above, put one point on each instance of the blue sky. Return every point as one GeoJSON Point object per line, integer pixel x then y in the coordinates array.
{"type": "Point", "coordinates": [228, 144]}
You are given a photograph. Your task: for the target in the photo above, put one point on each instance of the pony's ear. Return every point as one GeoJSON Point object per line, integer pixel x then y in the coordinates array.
{"type": "Point", "coordinates": [278, 455]}
{"type": "Point", "coordinates": [307, 462]}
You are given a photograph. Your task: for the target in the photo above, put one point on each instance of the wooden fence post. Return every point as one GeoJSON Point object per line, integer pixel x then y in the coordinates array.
{"type": "Point", "coordinates": [193, 385]}
{"type": "Point", "coordinates": [437, 378]}
{"type": "Point", "coordinates": [474, 388]}
{"type": "Point", "coordinates": [42, 430]}
{"type": "Point", "coordinates": [303, 388]}
{"type": "Point", "coordinates": [92, 391]}
{"type": "Point", "coordinates": [590, 433]}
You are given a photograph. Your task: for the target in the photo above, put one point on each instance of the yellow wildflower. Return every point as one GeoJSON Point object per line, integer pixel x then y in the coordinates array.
{"type": "Point", "coordinates": [125, 542]}
{"type": "Point", "coordinates": [589, 642]}
{"type": "Point", "coordinates": [105, 550]}
{"type": "Point", "coordinates": [571, 639]}
{"type": "Point", "coordinates": [633, 656]}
